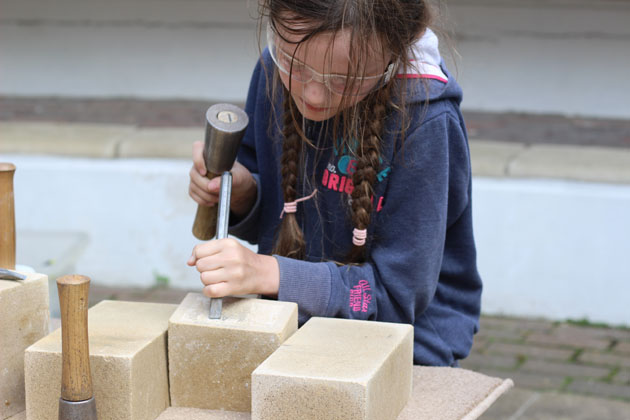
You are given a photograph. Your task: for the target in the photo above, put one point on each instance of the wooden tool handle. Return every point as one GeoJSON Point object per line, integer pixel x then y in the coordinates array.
{"type": "Point", "coordinates": [76, 378]}
{"type": "Point", "coordinates": [7, 217]}
{"type": "Point", "coordinates": [205, 225]}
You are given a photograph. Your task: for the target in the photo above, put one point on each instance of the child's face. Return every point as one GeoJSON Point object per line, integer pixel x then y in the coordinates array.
{"type": "Point", "coordinates": [325, 54]}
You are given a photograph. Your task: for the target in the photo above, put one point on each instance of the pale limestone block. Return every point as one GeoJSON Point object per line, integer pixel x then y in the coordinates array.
{"type": "Point", "coordinates": [160, 143]}
{"type": "Point", "coordinates": [492, 158]}
{"type": "Point", "coordinates": [127, 358]}
{"type": "Point", "coordinates": [187, 413]}
{"type": "Point", "coordinates": [20, 416]}
{"type": "Point", "coordinates": [24, 317]}
{"type": "Point", "coordinates": [211, 360]}
{"type": "Point", "coordinates": [88, 140]}
{"type": "Point", "coordinates": [336, 369]}
{"type": "Point", "coordinates": [582, 163]}
{"type": "Point", "coordinates": [447, 393]}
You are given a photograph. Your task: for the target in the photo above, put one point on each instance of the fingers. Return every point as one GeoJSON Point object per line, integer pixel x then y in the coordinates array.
{"type": "Point", "coordinates": [201, 196]}
{"type": "Point", "coordinates": [203, 190]}
{"type": "Point", "coordinates": [220, 265]}
{"type": "Point", "coordinates": [217, 290]}
{"type": "Point", "coordinates": [198, 162]}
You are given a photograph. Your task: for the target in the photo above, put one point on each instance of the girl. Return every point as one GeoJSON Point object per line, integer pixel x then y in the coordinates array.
{"type": "Point", "coordinates": [353, 177]}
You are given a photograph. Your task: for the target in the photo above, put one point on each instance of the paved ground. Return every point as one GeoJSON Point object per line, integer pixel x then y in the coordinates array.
{"type": "Point", "coordinates": [507, 127]}
{"type": "Point", "coordinates": [562, 370]}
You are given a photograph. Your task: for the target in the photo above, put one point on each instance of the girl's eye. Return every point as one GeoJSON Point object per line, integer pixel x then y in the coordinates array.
{"type": "Point", "coordinates": [338, 83]}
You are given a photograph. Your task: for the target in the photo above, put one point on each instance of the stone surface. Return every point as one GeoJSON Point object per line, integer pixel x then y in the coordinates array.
{"type": "Point", "coordinates": [20, 416]}
{"type": "Point", "coordinates": [596, 164]}
{"type": "Point", "coordinates": [491, 158]}
{"type": "Point", "coordinates": [160, 143]}
{"type": "Point", "coordinates": [451, 393]}
{"type": "Point", "coordinates": [24, 319]}
{"type": "Point", "coordinates": [187, 413]}
{"type": "Point", "coordinates": [127, 358]}
{"type": "Point", "coordinates": [438, 393]}
{"type": "Point", "coordinates": [87, 140]}
{"type": "Point", "coordinates": [211, 361]}
{"type": "Point", "coordinates": [336, 369]}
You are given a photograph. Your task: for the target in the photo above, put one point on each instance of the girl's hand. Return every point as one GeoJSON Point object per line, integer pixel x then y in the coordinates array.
{"type": "Point", "coordinates": [206, 191]}
{"type": "Point", "coordinates": [228, 268]}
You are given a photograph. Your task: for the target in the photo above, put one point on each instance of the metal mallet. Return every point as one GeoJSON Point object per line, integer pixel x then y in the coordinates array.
{"type": "Point", "coordinates": [77, 396]}
{"type": "Point", "coordinates": [225, 127]}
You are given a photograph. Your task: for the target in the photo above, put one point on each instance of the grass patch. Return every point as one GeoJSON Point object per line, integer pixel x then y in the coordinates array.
{"type": "Point", "coordinates": [611, 375]}
{"type": "Point", "coordinates": [585, 322]}
{"type": "Point", "coordinates": [160, 280]}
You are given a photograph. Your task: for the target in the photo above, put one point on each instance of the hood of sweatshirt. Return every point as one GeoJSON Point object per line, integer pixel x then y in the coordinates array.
{"type": "Point", "coordinates": [427, 76]}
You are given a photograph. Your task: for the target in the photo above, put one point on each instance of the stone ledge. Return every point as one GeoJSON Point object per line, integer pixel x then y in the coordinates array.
{"type": "Point", "coordinates": [489, 158]}
{"type": "Point", "coordinates": [105, 141]}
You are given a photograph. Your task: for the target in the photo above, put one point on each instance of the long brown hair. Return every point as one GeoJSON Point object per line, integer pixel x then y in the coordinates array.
{"type": "Point", "coordinates": [395, 25]}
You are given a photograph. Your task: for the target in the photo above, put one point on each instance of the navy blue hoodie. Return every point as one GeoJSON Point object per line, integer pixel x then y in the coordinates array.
{"type": "Point", "coordinates": [421, 265]}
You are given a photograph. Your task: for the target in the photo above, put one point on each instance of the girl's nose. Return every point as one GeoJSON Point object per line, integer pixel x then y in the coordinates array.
{"type": "Point", "coordinates": [315, 93]}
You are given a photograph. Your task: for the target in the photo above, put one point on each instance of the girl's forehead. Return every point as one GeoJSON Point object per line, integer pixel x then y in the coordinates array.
{"type": "Point", "coordinates": [331, 52]}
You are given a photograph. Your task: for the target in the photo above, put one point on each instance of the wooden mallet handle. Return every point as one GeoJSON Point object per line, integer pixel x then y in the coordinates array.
{"type": "Point", "coordinates": [7, 217]}
{"type": "Point", "coordinates": [205, 224]}
{"type": "Point", "coordinates": [76, 377]}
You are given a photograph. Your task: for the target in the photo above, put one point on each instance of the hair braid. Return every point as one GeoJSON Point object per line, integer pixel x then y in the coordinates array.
{"type": "Point", "coordinates": [290, 241]}
{"type": "Point", "coordinates": [368, 156]}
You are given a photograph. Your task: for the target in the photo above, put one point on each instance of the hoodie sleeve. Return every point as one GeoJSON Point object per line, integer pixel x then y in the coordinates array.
{"type": "Point", "coordinates": [427, 190]}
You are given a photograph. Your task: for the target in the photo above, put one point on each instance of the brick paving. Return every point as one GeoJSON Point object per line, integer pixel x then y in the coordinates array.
{"type": "Point", "coordinates": [542, 355]}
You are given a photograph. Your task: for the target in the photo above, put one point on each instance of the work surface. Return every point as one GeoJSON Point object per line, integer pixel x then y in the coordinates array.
{"type": "Point", "coordinates": [438, 393]}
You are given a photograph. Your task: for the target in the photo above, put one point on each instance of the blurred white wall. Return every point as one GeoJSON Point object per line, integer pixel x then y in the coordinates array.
{"type": "Point", "coordinates": [567, 57]}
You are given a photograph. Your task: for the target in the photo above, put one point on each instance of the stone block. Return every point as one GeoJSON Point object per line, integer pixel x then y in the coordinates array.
{"type": "Point", "coordinates": [24, 317]}
{"type": "Point", "coordinates": [336, 369]}
{"type": "Point", "coordinates": [187, 413]}
{"type": "Point", "coordinates": [211, 360]}
{"type": "Point", "coordinates": [127, 358]}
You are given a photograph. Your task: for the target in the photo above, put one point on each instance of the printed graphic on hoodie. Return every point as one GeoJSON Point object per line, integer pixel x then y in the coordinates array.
{"type": "Point", "coordinates": [338, 174]}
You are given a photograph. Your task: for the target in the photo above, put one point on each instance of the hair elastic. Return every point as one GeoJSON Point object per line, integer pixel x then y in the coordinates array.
{"type": "Point", "coordinates": [291, 207]}
{"type": "Point", "coordinates": [358, 236]}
